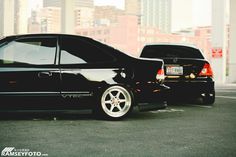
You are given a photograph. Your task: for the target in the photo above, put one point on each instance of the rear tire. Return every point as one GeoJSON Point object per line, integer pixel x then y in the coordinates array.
{"type": "Point", "coordinates": [115, 103]}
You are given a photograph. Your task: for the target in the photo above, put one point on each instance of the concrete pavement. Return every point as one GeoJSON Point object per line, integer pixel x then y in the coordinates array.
{"type": "Point", "coordinates": [183, 130]}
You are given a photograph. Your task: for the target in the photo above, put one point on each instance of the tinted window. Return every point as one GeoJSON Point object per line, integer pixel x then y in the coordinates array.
{"type": "Point", "coordinates": [165, 51]}
{"type": "Point", "coordinates": [32, 51]}
{"type": "Point", "coordinates": [80, 51]}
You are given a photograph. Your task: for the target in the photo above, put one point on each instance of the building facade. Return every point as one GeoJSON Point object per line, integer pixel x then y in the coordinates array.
{"type": "Point", "coordinates": [34, 25]}
{"type": "Point", "coordinates": [50, 20]}
{"type": "Point", "coordinates": [133, 7]}
{"type": "Point", "coordinates": [106, 15]}
{"type": "Point", "coordinates": [51, 13]}
{"type": "Point", "coordinates": [151, 13]}
{"type": "Point", "coordinates": [156, 13]}
{"type": "Point", "coordinates": [84, 17]}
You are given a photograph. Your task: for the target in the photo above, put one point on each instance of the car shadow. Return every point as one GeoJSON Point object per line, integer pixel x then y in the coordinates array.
{"type": "Point", "coordinates": [185, 102]}
{"type": "Point", "coordinates": [75, 115]}
{"type": "Point", "coordinates": [37, 115]}
{"type": "Point", "coordinates": [46, 115]}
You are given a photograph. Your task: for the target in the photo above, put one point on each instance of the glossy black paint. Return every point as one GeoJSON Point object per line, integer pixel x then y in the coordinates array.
{"type": "Point", "coordinates": [190, 84]}
{"type": "Point", "coordinates": [68, 84]}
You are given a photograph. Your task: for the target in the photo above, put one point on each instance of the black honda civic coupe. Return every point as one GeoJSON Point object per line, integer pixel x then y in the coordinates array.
{"type": "Point", "coordinates": [58, 71]}
{"type": "Point", "coordinates": [188, 73]}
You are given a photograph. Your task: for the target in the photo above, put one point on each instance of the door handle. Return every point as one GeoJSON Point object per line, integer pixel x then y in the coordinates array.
{"type": "Point", "coordinates": [44, 74]}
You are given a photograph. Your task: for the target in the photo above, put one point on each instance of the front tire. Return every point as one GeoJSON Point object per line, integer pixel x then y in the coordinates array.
{"type": "Point", "coordinates": [115, 103]}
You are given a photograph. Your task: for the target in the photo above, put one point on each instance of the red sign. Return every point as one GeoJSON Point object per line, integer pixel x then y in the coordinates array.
{"type": "Point", "coordinates": [217, 52]}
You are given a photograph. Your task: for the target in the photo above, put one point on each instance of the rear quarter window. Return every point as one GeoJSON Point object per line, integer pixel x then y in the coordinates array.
{"type": "Point", "coordinates": [166, 51]}
{"type": "Point", "coordinates": [75, 50]}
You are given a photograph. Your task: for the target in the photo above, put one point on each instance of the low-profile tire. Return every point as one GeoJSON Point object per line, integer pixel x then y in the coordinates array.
{"type": "Point", "coordinates": [209, 99]}
{"type": "Point", "coordinates": [115, 103]}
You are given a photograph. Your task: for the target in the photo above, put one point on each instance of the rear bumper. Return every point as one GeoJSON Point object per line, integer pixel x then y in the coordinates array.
{"type": "Point", "coordinates": [190, 88]}
{"type": "Point", "coordinates": [151, 97]}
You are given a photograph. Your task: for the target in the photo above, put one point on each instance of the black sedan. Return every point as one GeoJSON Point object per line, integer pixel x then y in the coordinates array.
{"type": "Point", "coordinates": [55, 71]}
{"type": "Point", "coordinates": [188, 73]}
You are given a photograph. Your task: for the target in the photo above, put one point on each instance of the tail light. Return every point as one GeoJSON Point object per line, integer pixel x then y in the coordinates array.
{"type": "Point", "coordinates": [206, 70]}
{"type": "Point", "coordinates": [160, 75]}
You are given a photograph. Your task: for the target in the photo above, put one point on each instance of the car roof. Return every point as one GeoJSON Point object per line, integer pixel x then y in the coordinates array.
{"type": "Point", "coordinates": [45, 34]}
{"type": "Point", "coordinates": [173, 44]}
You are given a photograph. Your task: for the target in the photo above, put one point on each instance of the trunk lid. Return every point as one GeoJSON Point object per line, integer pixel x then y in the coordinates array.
{"type": "Point", "coordinates": [180, 62]}
{"type": "Point", "coordinates": [183, 68]}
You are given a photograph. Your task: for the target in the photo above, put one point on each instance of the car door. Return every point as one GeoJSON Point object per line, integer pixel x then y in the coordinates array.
{"type": "Point", "coordinates": [84, 67]}
{"type": "Point", "coordinates": [28, 68]}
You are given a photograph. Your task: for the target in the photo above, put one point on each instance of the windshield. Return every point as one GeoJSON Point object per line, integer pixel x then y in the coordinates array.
{"type": "Point", "coordinates": [170, 51]}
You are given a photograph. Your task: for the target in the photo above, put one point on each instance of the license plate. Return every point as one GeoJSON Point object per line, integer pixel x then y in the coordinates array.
{"type": "Point", "coordinates": [174, 70]}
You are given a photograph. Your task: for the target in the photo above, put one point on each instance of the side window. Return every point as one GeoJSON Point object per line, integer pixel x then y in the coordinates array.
{"type": "Point", "coordinates": [31, 51]}
{"type": "Point", "coordinates": [79, 51]}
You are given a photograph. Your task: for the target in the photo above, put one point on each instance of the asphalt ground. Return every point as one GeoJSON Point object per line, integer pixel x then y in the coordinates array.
{"type": "Point", "coordinates": [182, 130]}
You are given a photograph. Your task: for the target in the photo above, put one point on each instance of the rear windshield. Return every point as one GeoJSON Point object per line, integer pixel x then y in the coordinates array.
{"type": "Point", "coordinates": [167, 51]}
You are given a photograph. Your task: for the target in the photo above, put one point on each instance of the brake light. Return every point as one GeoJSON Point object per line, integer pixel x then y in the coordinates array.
{"type": "Point", "coordinates": [160, 74]}
{"type": "Point", "coordinates": [206, 70]}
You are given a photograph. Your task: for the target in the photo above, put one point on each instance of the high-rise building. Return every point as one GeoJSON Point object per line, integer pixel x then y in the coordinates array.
{"type": "Point", "coordinates": [84, 14]}
{"type": "Point", "coordinates": [156, 13]}
{"type": "Point", "coordinates": [106, 15]}
{"type": "Point", "coordinates": [78, 3]}
{"type": "Point", "coordinates": [34, 25]}
{"type": "Point", "coordinates": [51, 3]}
{"type": "Point", "coordinates": [51, 20]}
{"type": "Point", "coordinates": [84, 17]}
{"type": "Point", "coordinates": [84, 3]}
{"type": "Point", "coordinates": [152, 13]}
{"type": "Point", "coordinates": [133, 7]}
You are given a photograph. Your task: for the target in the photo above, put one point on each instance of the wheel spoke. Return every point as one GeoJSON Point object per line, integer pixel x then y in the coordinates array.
{"type": "Point", "coordinates": [112, 108]}
{"type": "Point", "coordinates": [111, 95]}
{"type": "Point", "coordinates": [108, 102]}
{"type": "Point", "coordinates": [118, 106]}
{"type": "Point", "coordinates": [118, 94]}
{"type": "Point", "coordinates": [122, 100]}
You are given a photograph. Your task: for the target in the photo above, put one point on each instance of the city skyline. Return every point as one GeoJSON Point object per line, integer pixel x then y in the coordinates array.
{"type": "Point", "coordinates": [118, 3]}
{"type": "Point", "coordinates": [199, 10]}
{"type": "Point", "coordinates": [182, 18]}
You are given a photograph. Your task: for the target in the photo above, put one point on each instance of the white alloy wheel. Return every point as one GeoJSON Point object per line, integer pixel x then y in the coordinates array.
{"type": "Point", "coordinates": [116, 102]}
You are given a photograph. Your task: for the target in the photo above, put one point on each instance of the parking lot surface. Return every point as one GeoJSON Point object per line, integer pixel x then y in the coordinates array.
{"type": "Point", "coordinates": [182, 130]}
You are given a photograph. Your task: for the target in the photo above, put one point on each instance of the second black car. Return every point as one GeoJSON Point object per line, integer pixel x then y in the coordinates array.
{"type": "Point", "coordinates": [188, 73]}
